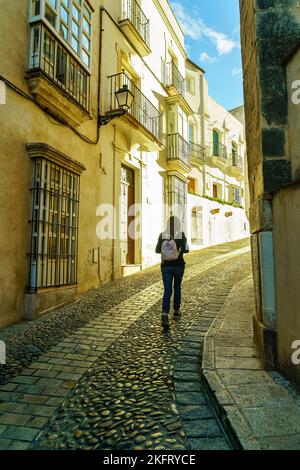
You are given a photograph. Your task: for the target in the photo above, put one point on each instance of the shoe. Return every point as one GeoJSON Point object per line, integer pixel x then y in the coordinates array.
{"type": "Point", "coordinates": [165, 321]}
{"type": "Point", "coordinates": [176, 314]}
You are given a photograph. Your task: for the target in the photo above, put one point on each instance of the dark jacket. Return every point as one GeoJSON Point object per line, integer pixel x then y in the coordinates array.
{"type": "Point", "coordinates": [181, 242]}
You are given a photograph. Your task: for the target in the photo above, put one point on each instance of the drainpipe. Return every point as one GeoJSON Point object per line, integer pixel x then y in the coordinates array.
{"type": "Point", "coordinates": [267, 274]}
{"type": "Point", "coordinates": [165, 46]}
{"type": "Point", "coordinates": [114, 206]}
{"type": "Point", "coordinates": [100, 62]}
{"type": "Point", "coordinates": [99, 113]}
{"type": "Point", "coordinates": [203, 130]}
{"type": "Point", "coordinates": [141, 207]}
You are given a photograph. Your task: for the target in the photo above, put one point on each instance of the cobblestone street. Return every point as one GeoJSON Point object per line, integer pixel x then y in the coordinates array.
{"type": "Point", "coordinates": [101, 374]}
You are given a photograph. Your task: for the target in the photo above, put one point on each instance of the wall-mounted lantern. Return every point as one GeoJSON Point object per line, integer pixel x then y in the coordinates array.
{"type": "Point", "coordinates": [124, 99]}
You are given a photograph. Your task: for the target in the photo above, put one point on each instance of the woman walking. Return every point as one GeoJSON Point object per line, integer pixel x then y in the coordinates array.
{"type": "Point", "coordinates": [172, 244]}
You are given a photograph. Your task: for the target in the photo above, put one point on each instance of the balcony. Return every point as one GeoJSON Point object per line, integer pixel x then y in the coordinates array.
{"type": "Point", "coordinates": [136, 26]}
{"type": "Point", "coordinates": [172, 79]}
{"type": "Point", "coordinates": [178, 153]}
{"type": "Point", "coordinates": [56, 79]}
{"type": "Point", "coordinates": [219, 155]}
{"type": "Point", "coordinates": [236, 164]}
{"type": "Point", "coordinates": [143, 120]}
{"type": "Point", "coordinates": [197, 153]}
{"type": "Point", "coordinates": [220, 150]}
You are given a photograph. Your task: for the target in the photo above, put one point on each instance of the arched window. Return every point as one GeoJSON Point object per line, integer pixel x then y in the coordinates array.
{"type": "Point", "coordinates": [216, 143]}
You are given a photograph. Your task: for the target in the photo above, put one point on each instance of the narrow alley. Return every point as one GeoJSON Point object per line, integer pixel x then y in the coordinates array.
{"type": "Point", "coordinates": [149, 149]}
{"type": "Point", "coordinates": [101, 373]}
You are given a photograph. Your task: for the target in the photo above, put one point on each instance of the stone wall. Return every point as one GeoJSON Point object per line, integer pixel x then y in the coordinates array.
{"type": "Point", "coordinates": [270, 30]}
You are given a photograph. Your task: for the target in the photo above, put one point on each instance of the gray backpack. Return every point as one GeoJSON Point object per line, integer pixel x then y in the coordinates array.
{"type": "Point", "coordinates": [169, 251]}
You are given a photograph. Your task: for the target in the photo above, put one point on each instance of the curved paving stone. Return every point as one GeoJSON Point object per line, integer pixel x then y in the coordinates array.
{"type": "Point", "coordinates": [132, 384]}
{"type": "Point", "coordinates": [202, 430]}
{"type": "Point", "coordinates": [28, 341]}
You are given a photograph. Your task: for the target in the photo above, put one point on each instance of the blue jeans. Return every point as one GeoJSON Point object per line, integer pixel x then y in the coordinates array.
{"type": "Point", "coordinates": [170, 273]}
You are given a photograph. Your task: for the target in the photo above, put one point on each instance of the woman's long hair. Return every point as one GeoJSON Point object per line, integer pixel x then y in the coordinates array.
{"type": "Point", "coordinates": [174, 226]}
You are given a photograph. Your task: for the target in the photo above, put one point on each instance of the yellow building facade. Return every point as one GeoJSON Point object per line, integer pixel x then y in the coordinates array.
{"type": "Point", "coordinates": [217, 194]}
{"type": "Point", "coordinates": [106, 129]}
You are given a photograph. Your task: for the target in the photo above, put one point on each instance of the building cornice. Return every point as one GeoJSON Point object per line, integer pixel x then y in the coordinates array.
{"type": "Point", "coordinates": [178, 175]}
{"type": "Point", "coordinates": [182, 102]}
{"type": "Point", "coordinates": [42, 150]}
{"type": "Point", "coordinates": [171, 8]}
{"type": "Point", "coordinates": [195, 65]}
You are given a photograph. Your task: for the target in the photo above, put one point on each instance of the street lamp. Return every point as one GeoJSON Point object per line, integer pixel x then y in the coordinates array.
{"type": "Point", "coordinates": [124, 99]}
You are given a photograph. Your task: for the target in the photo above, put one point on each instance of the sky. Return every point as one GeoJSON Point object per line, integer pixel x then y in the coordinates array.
{"type": "Point", "coordinates": [212, 29]}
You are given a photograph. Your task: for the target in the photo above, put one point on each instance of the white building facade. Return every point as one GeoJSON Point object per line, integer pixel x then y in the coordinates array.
{"type": "Point", "coordinates": [216, 182]}
{"type": "Point", "coordinates": [175, 152]}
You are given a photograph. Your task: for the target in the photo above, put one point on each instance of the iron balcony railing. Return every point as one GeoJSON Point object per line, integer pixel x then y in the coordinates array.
{"type": "Point", "coordinates": [178, 148]}
{"type": "Point", "coordinates": [219, 150]}
{"type": "Point", "coordinates": [142, 110]}
{"type": "Point", "coordinates": [236, 161]}
{"type": "Point", "coordinates": [50, 56]}
{"type": "Point", "coordinates": [198, 152]}
{"type": "Point", "coordinates": [132, 11]}
{"type": "Point", "coordinates": [172, 77]}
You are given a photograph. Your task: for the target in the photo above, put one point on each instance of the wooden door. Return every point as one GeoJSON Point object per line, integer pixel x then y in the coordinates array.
{"type": "Point", "coordinates": [215, 191]}
{"type": "Point", "coordinates": [127, 216]}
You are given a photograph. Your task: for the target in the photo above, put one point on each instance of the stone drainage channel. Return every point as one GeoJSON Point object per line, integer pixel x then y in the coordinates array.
{"type": "Point", "coordinates": [145, 390]}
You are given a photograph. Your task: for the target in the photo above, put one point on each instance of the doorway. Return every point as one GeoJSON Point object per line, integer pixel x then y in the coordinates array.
{"type": "Point", "coordinates": [127, 237]}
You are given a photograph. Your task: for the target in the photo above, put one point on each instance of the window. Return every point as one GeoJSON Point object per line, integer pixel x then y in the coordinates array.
{"type": "Point", "coordinates": [190, 85]}
{"type": "Point", "coordinates": [216, 143]}
{"type": "Point", "coordinates": [192, 186]}
{"type": "Point", "coordinates": [218, 190]}
{"type": "Point", "coordinates": [191, 133]}
{"type": "Point", "coordinates": [35, 8]}
{"type": "Point", "coordinates": [197, 226]}
{"type": "Point", "coordinates": [54, 226]}
{"type": "Point", "coordinates": [72, 19]}
{"type": "Point", "coordinates": [50, 16]}
{"type": "Point", "coordinates": [234, 153]}
{"type": "Point", "coordinates": [237, 195]}
{"type": "Point", "coordinates": [182, 123]}
{"type": "Point", "coordinates": [61, 69]}
{"type": "Point", "coordinates": [234, 148]}
{"type": "Point", "coordinates": [177, 198]}
{"type": "Point", "coordinates": [55, 59]}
